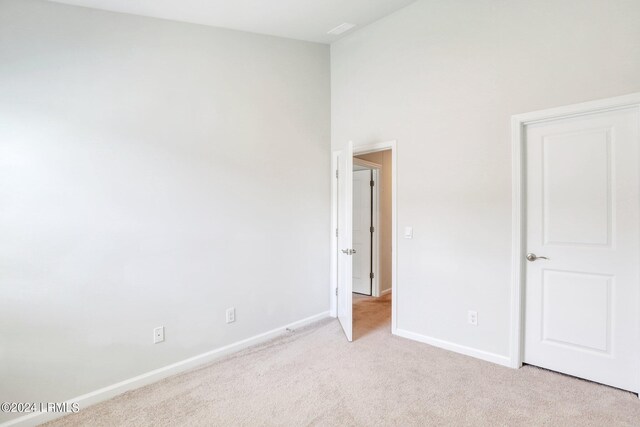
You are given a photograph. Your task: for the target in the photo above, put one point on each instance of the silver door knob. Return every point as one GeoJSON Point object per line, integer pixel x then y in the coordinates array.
{"type": "Point", "coordinates": [533, 257]}
{"type": "Point", "coordinates": [349, 251]}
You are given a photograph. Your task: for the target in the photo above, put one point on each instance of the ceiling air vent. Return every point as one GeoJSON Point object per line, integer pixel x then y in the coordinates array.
{"type": "Point", "coordinates": [341, 28]}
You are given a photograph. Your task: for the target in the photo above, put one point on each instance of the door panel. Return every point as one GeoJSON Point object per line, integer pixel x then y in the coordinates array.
{"type": "Point", "coordinates": [345, 238]}
{"type": "Point", "coordinates": [361, 232]}
{"type": "Point", "coordinates": [577, 188]}
{"type": "Point", "coordinates": [582, 304]}
{"type": "Point", "coordinates": [585, 325]}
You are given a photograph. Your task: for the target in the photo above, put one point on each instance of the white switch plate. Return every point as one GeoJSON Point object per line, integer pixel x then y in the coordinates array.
{"type": "Point", "coordinates": [231, 315]}
{"type": "Point", "coordinates": [408, 232]}
{"type": "Point", "coordinates": [472, 317]}
{"type": "Point", "coordinates": [158, 334]}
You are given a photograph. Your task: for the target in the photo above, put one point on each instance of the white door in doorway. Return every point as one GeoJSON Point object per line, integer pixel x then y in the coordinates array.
{"type": "Point", "coordinates": [582, 230]}
{"type": "Point", "coordinates": [345, 249]}
{"type": "Point", "coordinates": [362, 223]}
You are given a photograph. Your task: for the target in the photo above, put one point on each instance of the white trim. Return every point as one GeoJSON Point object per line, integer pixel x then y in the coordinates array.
{"type": "Point", "coordinates": [518, 204]}
{"type": "Point", "coordinates": [447, 345]}
{"type": "Point", "coordinates": [375, 284]}
{"type": "Point", "coordinates": [517, 242]}
{"type": "Point", "coordinates": [108, 392]}
{"type": "Point", "coordinates": [607, 104]}
{"type": "Point", "coordinates": [367, 164]}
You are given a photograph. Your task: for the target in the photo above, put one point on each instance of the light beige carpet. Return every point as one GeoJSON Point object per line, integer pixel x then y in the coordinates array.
{"type": "Point", "coordinates": [313, 376]}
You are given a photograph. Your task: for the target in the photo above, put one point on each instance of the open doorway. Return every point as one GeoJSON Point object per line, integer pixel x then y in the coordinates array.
{"type": "Point", "coordinates": [372, 226]}
{"type": "Point", "coordinates": [342, 250]}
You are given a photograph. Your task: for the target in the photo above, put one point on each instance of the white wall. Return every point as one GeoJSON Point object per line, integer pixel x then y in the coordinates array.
{"type": "Point", "coordinates": [152, 173]}
{"type": "Point", "coordinates": [443, 77]}
{"type": "Point", "coordinates": [384, 159]}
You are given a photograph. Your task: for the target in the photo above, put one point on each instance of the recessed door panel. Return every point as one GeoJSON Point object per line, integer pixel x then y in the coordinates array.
{"type": "Point", "coordinates": [576, 309]}
{"type": "Point", "coordinates": [577, 187]}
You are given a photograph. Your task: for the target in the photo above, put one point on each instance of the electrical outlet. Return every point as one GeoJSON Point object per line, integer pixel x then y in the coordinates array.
{"type": "Point", "coordinates": [231, 315]}
{"type": "Point", "coordinates": [472, 317]}
{"type": "Point", "coordinates": [158, 334]}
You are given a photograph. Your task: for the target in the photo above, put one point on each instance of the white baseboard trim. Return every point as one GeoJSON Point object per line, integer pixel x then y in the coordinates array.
{"type": "Point", "coordinates": [447, 345]}
{"type": "Point", "coordinates": [386, 291]}
{"type": "Point", "coordinates": [113, 390]}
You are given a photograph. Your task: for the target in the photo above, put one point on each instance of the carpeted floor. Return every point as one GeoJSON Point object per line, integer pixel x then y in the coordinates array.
{"type": "Point", "coordinates": [313, 376]}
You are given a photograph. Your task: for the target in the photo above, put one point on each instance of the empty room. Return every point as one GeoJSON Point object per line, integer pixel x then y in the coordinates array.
{"type": "Point", "coordinates": [319, 212]}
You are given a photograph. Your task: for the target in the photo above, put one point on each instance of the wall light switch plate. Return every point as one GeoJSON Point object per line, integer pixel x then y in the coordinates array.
{"type": "Point", "coordinates": [158, 334]}
{"type": "Point", "coordinates": [231, 315]}
{"type": "Point", "coordinates": [408, 232]}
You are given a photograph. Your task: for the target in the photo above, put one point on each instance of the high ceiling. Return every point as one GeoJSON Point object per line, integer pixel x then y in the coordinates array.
{"type": "Point", "coordinates": [298, 19]}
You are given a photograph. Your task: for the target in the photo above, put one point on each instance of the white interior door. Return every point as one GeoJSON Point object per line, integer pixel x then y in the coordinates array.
{"type": "Point", "coordinates": [345, 248]}
{"type": "Point", "coordinates": [362, 217]}
{"type": "Point", "coordinates": [583, 302]}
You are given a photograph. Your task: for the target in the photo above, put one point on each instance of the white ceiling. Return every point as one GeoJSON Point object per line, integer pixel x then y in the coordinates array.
{"type": "Point", "coordinates": [298, 19]}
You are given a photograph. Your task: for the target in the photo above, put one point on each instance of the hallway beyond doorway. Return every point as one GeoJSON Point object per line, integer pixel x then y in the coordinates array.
{"type": "Point", "coordinates": [371, 315]}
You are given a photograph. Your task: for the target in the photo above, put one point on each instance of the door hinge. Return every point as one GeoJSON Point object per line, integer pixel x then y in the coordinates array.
{"type": "Point", "coordinates": [336, 173]}
{"type": "Point", "coordinates": [336, 291]}
{"type": "Point", "coordinates": [371, 275]}
{"type": "Point", "coordinates": [371, 183]}
{"type": "Point", "coordinates": [371, 229]}
{"type": "Point", "coordinates": [336, 232]}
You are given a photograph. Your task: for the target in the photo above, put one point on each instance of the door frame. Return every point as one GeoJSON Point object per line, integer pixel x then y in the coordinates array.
{"type": "Point", "coordinates": [519, 197]}
{"type": "Point", "coordinates": [375, 244]}
{"type": "Point", "coordinates": [333, 283]}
